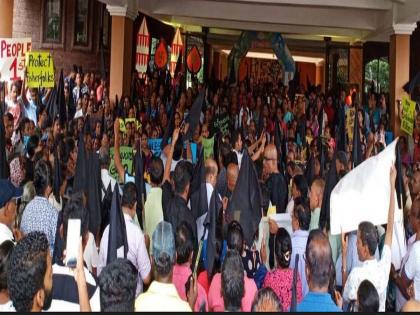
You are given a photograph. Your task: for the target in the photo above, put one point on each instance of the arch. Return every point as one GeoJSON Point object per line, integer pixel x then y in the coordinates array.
{"type": "Point", "coordinates": [254, 39]}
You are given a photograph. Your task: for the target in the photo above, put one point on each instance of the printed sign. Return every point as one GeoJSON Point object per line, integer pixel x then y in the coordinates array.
{"type": "Point", "coordinates": [124, 122]}
{"type": "Point", "coordinates": [350, 122]}
{"type": "Point", "coordinates": [407, 121]}
{"type": "Point", "coordinates": [154, 146]}
{"type": "Point", "coordinates": [208, 145]}
{"type": "Point", "coordinates": [12, 57]}
{"type": "Point", "coordinates": [127, 156]}
{"type": "Point", "coordinates": [39, 69]}
{"type": "Point", "coordinates": [221, 124]}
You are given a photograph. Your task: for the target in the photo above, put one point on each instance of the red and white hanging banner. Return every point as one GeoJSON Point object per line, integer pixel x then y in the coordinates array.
{"type": "Point", "coordinates": [142, 49]}
{"type": "Point", "coordinates": [176, 49]}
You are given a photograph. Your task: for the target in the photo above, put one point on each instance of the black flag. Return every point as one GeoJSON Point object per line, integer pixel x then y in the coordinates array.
{"type": "Point", "coordinates": [140, 184]}
{"type": "Point", "coordinates": [310, 170]}
{"type": "Point", "coordinates": [194, 115]}
{"type": "Point", "coordinates": [169, 131]}
{"type": "Point", "coordinates": [61, 102]}
{"type": "Point", "coordinates": [399, 187]}
{"type": "Point", "coordinates": [198, 199]}
{"type": "Point", "coordinates": [93, 192]}
{"type": "Point", "coordinates": [341, 129]}
{"type": "Point", "coordinates": [117, 230]}
{"type": "Point", "coordinates": [79, 183]}
{"type": "Point", "coordinates": [357, 146]}
{"type": "Point", "coordinates": [245, 203]}
{"type": "Point", "coordinates": [332, 180]}
{"type": "Point", "coordinates": [57, 175]}
{"type": "Point", "coordinates": [210, 226]}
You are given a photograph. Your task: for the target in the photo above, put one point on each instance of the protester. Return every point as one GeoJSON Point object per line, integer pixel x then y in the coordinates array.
{"type": "Point", "coordinates": [65, 299]}
{"type": "Point", "coordinates": [318, 270]}
{"type": "Point", "coordinates": [118, 282]}
{"type": "Point", "coordinates": [367, 297]}
{"type": "Point", "coordinates": [162, 294]}
{"type": "Point", "coordinates": [137, 252]}
{"type": "Point", "coordinates": [6, 248]}
{"type": "Point", "coordinates": [29, 274]}
{"type": "Point", "coordinates": [265, 135]}
{"type": "Point", "coordinates": [39, 214]}
{"type": "Point", "coordinates": [280, 280]}
{"type": "Point", "coordinates": [266, 301]}
{"type": "Point", "coordinates": [9, 196]}
{"type": "Point", "coordinates": [373, 270]}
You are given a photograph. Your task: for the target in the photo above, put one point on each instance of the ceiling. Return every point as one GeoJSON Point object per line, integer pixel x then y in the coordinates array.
{"type": "Point", "coordinates": [303, 23]}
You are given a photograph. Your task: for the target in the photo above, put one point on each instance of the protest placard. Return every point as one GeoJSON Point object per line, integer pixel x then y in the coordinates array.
{"type": "Point", "coordinates": [407, 121]}
{"type": "Point", "coordinates": [124, 122]}
{"type": "Point", "coordinates": [126, 155]}
{"type": "Point", "coordinates": [39, 69]}
{"type": "Point", "coordinates": [208, 145]}
{"type": "Point", "coordinates": [350, 122]}
{"type": "Point", "coordinates": [12, 57]}
{"type": "Point", "coordinates": [154, 145]}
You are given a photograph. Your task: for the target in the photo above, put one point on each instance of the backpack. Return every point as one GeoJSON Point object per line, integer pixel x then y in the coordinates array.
{"type": "Point", "coordinates": [105, 206]}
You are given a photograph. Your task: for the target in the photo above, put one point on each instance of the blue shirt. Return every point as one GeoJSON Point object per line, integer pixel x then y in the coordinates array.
{"type": "Point", "coordinates": [317, 302]}
{"type": "Point", "coordinates": [30, 111]}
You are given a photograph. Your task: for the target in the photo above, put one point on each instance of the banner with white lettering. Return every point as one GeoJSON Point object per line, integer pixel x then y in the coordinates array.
{"type": "Point", "coordinates": [12, 57]}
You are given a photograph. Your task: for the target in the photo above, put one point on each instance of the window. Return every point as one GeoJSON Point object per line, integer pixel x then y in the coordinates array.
{"type": "Point", "coordinates": [52, 21]}
{"type": "Point", "coordinates": [81, 36]}
{"type": "Point", "coordinates": [377, 76]}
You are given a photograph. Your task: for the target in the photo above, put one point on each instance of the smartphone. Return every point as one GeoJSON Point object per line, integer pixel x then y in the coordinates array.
{"type": "Point", "coordinates": [72, 242]}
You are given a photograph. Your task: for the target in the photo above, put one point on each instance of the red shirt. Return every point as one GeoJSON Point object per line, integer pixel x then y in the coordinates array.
{"type": "Point", "coordinates": [215, 298]}
{"type": "Point", "coordinates": [180, 276]}
{"type": "Point", "coordinates": [281, 281]}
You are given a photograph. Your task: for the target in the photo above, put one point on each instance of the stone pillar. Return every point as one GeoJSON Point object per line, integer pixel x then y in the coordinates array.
{"type": "Point", "coordinates": [399, 74]}
{"type": "Point", "coordinates": [121, 59]}
{"type": "Point", "coordinates": [6, 21]}
{"type": "Point", "coordinates": [356, 66]}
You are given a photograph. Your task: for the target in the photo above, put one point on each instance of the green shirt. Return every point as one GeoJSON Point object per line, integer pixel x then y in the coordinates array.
{"type": "Point", "coordinates": [314, 219]}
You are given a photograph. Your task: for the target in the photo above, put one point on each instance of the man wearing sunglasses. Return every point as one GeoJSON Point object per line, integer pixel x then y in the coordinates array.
{"type": "Point", "coordinates": [9, 197]}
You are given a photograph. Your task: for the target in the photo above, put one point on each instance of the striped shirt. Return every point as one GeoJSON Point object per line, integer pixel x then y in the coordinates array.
{"type": "Point", "coordinates": [65, 292]}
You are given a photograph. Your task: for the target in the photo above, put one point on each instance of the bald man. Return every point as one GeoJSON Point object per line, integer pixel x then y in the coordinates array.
{"type": "Point", "coordinates": [318, 269]}
{"type": "Point", "coordinates": [276, 182]}
{"type": "Point", "coordinates": [277, 187]}
{"type": "Point", "coordinates": [232, 173]}
{"type": "Point", "coordinates": [210, 170]}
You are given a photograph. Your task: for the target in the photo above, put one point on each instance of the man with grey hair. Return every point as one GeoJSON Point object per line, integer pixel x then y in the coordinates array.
{"type": "Point", "coordinates": [162, 294]}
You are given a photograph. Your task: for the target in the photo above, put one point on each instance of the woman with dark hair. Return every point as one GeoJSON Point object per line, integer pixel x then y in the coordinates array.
{"type": "Point", "coordinates": [6, 304]}
{"type": "Point", "coordinates": [367, 297]}
{"type": "Point", "coordinates": [281, 278]}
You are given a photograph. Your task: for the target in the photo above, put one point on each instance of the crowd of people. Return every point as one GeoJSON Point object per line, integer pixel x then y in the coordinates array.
{"type": "Point", "coordinates": [171, 234]}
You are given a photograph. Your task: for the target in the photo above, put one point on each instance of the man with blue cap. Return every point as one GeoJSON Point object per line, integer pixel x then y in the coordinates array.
{"type": "Point", "coordinates": [9, 196]}
{"type": "Point", "coordinates": [162, 294]}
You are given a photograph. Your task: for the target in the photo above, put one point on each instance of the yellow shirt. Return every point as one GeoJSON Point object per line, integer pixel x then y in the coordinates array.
{"type": "Point", "coordinates": [153, 212]}
{"type": "Point", "coordinates": [161, 297]}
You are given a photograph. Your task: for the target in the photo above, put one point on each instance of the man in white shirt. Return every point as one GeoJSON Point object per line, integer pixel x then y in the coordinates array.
{"type": "Point", "coordinates": [9, 195]}
{"type": "Point", "coordinates": [411, 263]}
{"type": "Point", "coordinates": [105, 160]}
{"type": "Point", "coordinates": [64, 292]}
{"type": "Point", "coordinates": [237, 145]}
{"type": "Point", "coordinates": [137, 252]}
{"type": "Point", "coordinates": [376, 271]}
